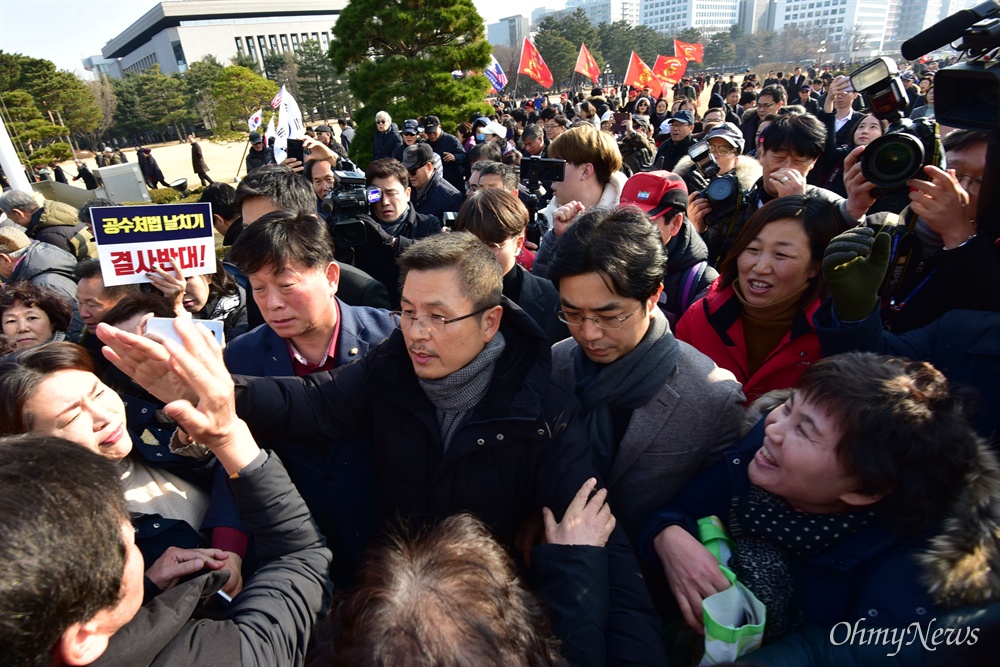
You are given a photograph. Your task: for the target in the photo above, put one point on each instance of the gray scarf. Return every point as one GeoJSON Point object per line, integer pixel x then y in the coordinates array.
{"type": "Point", "coordinates": [627, 383]}
{"type": "Point", "coordinates": [455, 395]}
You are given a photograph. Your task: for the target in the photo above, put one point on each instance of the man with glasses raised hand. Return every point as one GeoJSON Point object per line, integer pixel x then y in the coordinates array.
{"type": "Point", "coordinates": [656, 410]}
{"type": "Point", "coordinates": [462, 416]}
{"type": "Point", "coordinates": [386, 136]}
{"type": "Point", "coordinates": [770, 100]}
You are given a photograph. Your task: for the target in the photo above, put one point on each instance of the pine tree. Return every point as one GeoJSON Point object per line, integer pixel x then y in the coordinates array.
{"type": "Point", "coordinates": [400, 56]}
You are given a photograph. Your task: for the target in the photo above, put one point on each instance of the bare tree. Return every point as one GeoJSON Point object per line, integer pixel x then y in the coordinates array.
{"type": "Point", "coordinates": [509, 58]}
{"type": "Point", "coordinates": [855, 39]}
{"type": "Point", "coordinates": [107, 102]}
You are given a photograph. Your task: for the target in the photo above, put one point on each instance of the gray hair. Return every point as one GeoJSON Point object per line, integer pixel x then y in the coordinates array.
{"type": "Point", "coordinates": [17, 199]}
{"type": "Point", "coordinates": [385, 115]}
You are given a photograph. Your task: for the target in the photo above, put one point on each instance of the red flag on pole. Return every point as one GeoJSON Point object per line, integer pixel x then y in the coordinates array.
{"type": "Point", "coordinates": [640, 76]}
{"type": "Point", "coordinates": [587, 66]}
{"type": "Point", "coordinates": [670, 69]}
{"type": "Point", "coordinates": [533, 65]}
{"type": "Point", "coordinates": [690, 51]}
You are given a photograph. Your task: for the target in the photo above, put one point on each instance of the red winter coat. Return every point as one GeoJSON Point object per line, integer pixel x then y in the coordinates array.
{"type": "Point", "coordinates": [713, 325]}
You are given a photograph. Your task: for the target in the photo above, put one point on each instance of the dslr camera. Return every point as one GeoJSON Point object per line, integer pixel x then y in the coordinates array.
{"type": "Point", "coordinates": [906, 146]}
{"type": "Point", "coordinates": [345, 204]}
{"type": "Point", "coordinates": [723, 190]}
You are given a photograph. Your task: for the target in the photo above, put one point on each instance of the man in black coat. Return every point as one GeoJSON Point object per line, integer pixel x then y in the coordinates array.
{"type": "Point", "coordinates": [432, 193]}
{"type": "Point", "coordinates": [462, 415]}
{"type": "Point", "coordinates": [449, 148]}
{"type": "Point", "coordinates": [259, 154]}
{"type": "Point", "coordinates": [386, 136]}
{"type": "Point", "coordinates": [672, 150]}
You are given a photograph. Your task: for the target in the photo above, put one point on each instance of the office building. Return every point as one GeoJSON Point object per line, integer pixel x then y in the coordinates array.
{"type": "Point", "coordinates": [708, 16]}
{"type": "Point", "coordinates": [175, 34]}
{"type": "Point", "coordinates": [510, 31]}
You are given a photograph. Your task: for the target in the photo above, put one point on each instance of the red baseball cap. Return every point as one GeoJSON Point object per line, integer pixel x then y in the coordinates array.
{"type": "Point", "coordinates": [654, 192]}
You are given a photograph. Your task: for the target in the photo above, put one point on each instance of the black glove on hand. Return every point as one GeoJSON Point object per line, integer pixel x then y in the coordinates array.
{"type": "Point", "coordinates": [376, 233]}
{"type": "Point", "coordinates": [854, 265]}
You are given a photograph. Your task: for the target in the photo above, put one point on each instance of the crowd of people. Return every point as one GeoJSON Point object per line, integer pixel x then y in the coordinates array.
{"type": "Point", "coordinates": [475, 408]}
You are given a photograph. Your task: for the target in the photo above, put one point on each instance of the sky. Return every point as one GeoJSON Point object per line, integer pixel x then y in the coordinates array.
{"type": "Point", "coordinates": [66, 31]}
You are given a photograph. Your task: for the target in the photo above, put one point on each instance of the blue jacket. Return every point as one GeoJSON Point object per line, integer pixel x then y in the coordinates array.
{"type": "Point", "coordinates": [338, 483]}
{"type": "Point", "coordinates": [962, 344]}
{"type": "Point", "coordinates": [874, 575]}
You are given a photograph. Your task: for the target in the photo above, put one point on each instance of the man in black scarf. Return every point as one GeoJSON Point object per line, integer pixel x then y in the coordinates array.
{"type": "Point", "coordinates": [656, 409]}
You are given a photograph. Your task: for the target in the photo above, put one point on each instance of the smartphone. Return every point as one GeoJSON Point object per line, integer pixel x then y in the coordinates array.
{"type": "Point", "coordinates": [619, 126]}
{"type": "Point", "coordinates": [294, 150]}
{"type": "Point", "coordinates": [163, 328]}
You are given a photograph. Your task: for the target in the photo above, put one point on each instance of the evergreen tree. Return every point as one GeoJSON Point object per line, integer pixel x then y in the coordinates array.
{"type": "Point", "coordinates": [201, 78]}
{"type": "Point", "coordinates": [410, 57]}
{"type": "Point", "coordinates": [559, 42]}
{"type": "Point", "coordinates": [239, 92]}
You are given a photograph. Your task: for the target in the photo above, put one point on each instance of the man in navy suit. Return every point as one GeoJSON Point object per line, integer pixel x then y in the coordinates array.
{"type": "Point", "coordinates": [288, 259]}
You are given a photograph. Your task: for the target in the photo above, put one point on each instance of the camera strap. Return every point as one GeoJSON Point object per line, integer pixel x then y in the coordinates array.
{"type": "Point", "coordinates": [904, 244]}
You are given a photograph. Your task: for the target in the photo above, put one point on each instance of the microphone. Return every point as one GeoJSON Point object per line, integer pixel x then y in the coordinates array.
{"type": "Point", "coordinates": [948, 30]}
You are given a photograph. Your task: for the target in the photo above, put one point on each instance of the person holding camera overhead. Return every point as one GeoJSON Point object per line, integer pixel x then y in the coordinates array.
{"type": "Point", "coordinates": [788, 152]}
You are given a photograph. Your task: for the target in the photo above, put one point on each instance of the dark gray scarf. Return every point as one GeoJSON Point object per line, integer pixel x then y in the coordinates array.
{"type": "Point", "coordinates": [770, 539]}
{"type": "Point", "coordinates": [627, 383]}
{"type": "Point", "coordinates": [454, 396]}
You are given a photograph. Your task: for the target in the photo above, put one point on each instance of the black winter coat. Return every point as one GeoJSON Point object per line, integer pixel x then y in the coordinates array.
{"type": "Point", "coordinates": [519, 450]}
{"type": "Point", "coordinates": [269, 623]}
{"type": "Point", "coordinates": [449, 143]}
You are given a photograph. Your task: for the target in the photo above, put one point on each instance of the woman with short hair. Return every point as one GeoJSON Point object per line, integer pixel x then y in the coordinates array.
{"type": "Point", "coordinates": [864, 500]}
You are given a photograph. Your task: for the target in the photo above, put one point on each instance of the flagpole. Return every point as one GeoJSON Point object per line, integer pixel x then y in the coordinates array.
{"type": "Point", "coordinates": [246, 148]}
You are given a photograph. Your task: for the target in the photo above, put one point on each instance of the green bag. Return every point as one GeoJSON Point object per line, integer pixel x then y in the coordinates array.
{"type": "Point", "coordinates": [734, 619]}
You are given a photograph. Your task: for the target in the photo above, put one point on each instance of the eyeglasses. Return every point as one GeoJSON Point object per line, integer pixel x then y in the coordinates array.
{"type": "Point", "coordinates": [600, 321]}
{"type": "Point", "coordinates": [765, 105]}
{"type": "Point", "coordinates": [497, 247]}
{"type": "Point", "coordinates": [969, 184]}
{"type": "Point", "coordinates": [381, 122]}
{"type": "Point", "coordinates": [432, 324]}
{"type": "Point", "coordinates": [722, 150]}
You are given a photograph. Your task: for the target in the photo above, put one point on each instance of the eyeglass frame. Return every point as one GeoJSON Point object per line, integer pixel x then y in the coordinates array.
{"type": "Point", "coordinates": [723, 150]}
{"type": "Point", "coordinates": [397, 315]}
{"type": "Point", "coordinates": [963, 177]}
{"type": "Point", "coordinates": [561, 314]}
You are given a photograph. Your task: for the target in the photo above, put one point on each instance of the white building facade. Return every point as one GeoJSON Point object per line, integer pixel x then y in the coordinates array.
{"type": "Point", "coordinates": [175, 34]}
{"type": "Point", "coordinates": [708, 16]}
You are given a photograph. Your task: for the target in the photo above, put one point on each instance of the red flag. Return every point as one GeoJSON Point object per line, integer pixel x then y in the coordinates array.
{"type": "Point", "coordinates": [639, 76]}
{"type": "Point", "coordinates": [587, 66]}
{"type": "Point", "coordinates": [690, 51]}
{"type": "Point", "coordinates": [670, 70]}
{"type": "Point", "coordinates": [533, 65]}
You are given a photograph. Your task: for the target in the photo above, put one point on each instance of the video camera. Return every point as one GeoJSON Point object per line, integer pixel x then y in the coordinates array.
{"type": "Point", "coordinates": [723, 190]}
{"type": "Point", "coordinates": [344, 205]}
{"type": "Point", "coordinates": [906, 146]}
{"type": "Point", "coordinates": [967, 95]}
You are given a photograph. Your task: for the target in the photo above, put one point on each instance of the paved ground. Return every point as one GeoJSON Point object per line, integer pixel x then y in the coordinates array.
{"type": "Point", "coordinates": [175, 161]}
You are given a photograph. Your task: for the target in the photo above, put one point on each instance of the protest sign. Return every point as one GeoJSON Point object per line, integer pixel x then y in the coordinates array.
{"type": "Point", "coordinates": [132, 239]}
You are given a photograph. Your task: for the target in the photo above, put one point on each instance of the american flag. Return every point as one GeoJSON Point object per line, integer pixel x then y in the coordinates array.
{"type": "Point", "coordinates": [276, 102]}
{"type": "Point", "coordinates": [495, 74]}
